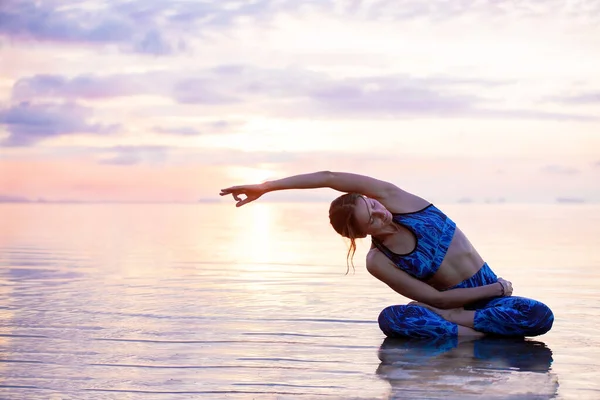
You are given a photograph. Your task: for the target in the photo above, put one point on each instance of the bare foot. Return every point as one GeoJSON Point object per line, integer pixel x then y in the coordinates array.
{"type": "Point", "coordinates": [459, 316]}
{"type": "Point", "coordinates": [439, 311]}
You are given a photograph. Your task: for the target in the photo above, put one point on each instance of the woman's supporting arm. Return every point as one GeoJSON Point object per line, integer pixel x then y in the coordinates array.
{"type": "Point", "coordinates": [381, 268]}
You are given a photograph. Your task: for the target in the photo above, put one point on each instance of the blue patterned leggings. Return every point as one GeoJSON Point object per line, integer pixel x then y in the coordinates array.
{"type": "Point", "coordinates": [505, 316]}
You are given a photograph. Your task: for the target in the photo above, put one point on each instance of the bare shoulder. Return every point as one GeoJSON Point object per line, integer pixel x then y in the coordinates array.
{"type": "Point", "coordinates": [394, 198]}
{"type": "Point", "coordinates": [401, 201]}
{"type": "Point", "coordinates": [376, 261]}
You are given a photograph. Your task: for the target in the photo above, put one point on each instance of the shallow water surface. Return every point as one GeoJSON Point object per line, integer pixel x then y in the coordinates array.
{"type": "Point", "coordinates": [208, 301]}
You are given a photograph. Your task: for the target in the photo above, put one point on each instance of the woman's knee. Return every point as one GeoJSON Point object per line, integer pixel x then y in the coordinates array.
{"type": "Point", "coordinates": [514, 316]}
{"type": "Point", "coordinates": [390, 318]}
{"type": "Point", "coordinates": [540, 319]}
{"type": "Point", "coordinates": [536, 318]}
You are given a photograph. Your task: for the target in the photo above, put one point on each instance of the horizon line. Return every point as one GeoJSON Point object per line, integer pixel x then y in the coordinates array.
{"type": "Point", "coordinates": [217, 201]}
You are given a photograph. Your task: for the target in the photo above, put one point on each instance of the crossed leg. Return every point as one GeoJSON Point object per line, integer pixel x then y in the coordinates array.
{"type": "Point", "coordinates": [505, 316]}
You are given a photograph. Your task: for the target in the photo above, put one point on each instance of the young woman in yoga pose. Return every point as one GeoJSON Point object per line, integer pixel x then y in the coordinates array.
{"type": "Point", "coordinates": [420, 253]}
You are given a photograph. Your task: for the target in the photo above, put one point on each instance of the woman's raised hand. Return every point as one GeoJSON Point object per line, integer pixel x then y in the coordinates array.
{"type": "Point", "coordinates": [252, 192]}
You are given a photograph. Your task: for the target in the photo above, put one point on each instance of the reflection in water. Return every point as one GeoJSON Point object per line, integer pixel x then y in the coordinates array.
{"type": "Point", "coordinates": [129, 301]}
{"type": "Point", "coordinates": [463, 368]}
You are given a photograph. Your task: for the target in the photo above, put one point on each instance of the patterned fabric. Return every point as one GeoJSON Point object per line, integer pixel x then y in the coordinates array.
{"type": "Point", "coordinates": [513, 316]}
{"type": "Point", "coordinates": [485, 276]}
{"type": "Point", "coordinates": [414, 322]}
{"type": "Point", "coordinates": [433, 232]}
{"type": "Point", "coordinates": [505, 316]}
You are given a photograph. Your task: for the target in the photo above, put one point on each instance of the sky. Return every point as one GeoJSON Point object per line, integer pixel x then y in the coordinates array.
{"type": "Point", "coordinates": [170, 101]}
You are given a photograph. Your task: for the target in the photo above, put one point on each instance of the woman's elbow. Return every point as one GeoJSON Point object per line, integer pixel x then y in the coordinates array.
{"type": "Point", "coordinates": [327, 177]}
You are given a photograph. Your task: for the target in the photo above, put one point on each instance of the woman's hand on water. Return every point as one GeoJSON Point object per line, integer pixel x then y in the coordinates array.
{"type": "Point", "coordinates": [252, 192]}
{"type": "Point", "coordinates": [507, 286]}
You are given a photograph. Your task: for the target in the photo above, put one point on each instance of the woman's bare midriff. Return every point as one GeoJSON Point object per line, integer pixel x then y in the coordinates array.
{"type": "Point", "coordinates": [461, 262]}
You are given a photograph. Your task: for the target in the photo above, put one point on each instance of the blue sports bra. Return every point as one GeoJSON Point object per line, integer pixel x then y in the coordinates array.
{"type": "Point", "coordinates": [433, 232]}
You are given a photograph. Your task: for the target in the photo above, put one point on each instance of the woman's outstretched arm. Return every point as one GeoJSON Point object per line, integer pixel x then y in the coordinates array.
{"type": "Point", "coordinates": [340, 181]}
{"type": "Point", "coordinates": [401, 282]}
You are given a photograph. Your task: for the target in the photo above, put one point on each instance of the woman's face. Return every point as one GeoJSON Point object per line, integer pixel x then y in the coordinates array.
{"type": "Point", "coordinates": [371, 216]}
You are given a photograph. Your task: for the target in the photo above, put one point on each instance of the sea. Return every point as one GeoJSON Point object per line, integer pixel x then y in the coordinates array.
{"type": "Point", "coordinates": [194, 301]}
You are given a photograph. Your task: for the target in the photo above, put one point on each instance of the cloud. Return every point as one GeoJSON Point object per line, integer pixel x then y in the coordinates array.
{"type": "Point", "coordinates": [174, 155]}
{"type": "Point", "coordinates": [218, 126]}
{"type": "Point", "coordinates": [218, 85]}
{"type": "Point", "coordinates": [579, 99]}
{"type": "Point", "coordinates": [183, 131]}
{"type": "Point", "coordinates": [157, 28]}
{"type": "Point", "coordinates": [133, 155]}
{"type": "Point", "coordinates": [161, 27]}
{"type": "Point", "coordinates": [388, 96]}
{"type": "Point", "coordinates": [203, 91]}
{"type": "Point", "coordinates": [90, 86]}
{"type": "Point", "coordinates": [154, 43]}
{"type": "Point", "coordinates": [311, 91]}
{"type": "Point", "coordinates": [291, 92]}
{"type": "Point", "coordinates": [121, 159]}
{"type": "Point", "coordinates": [83, 86]}
{"type": "Point", "coordinates": [7, 198]}
{"type": "Point", "coordinates": [222, 125]}
{"type": "Point", "coordinates": [29, 123]}
{"type": "Point", "coordinates": [534, 115]}
{"type": "Point", "coordinates": [224, 14]}
{"type": "Point", "coordinates": [559, 170]}
{"type": "Point", "coordinates": [440, 10]}
{"type": "Point", "coordinates": [70, 22]}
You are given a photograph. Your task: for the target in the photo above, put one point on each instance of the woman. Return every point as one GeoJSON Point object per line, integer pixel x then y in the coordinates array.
{"type": "Point", "coordinates": [421, 254]}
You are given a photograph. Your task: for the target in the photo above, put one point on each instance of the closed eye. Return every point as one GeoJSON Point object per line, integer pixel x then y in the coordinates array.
{"type": "Point", "coordinates": [372, 220]}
